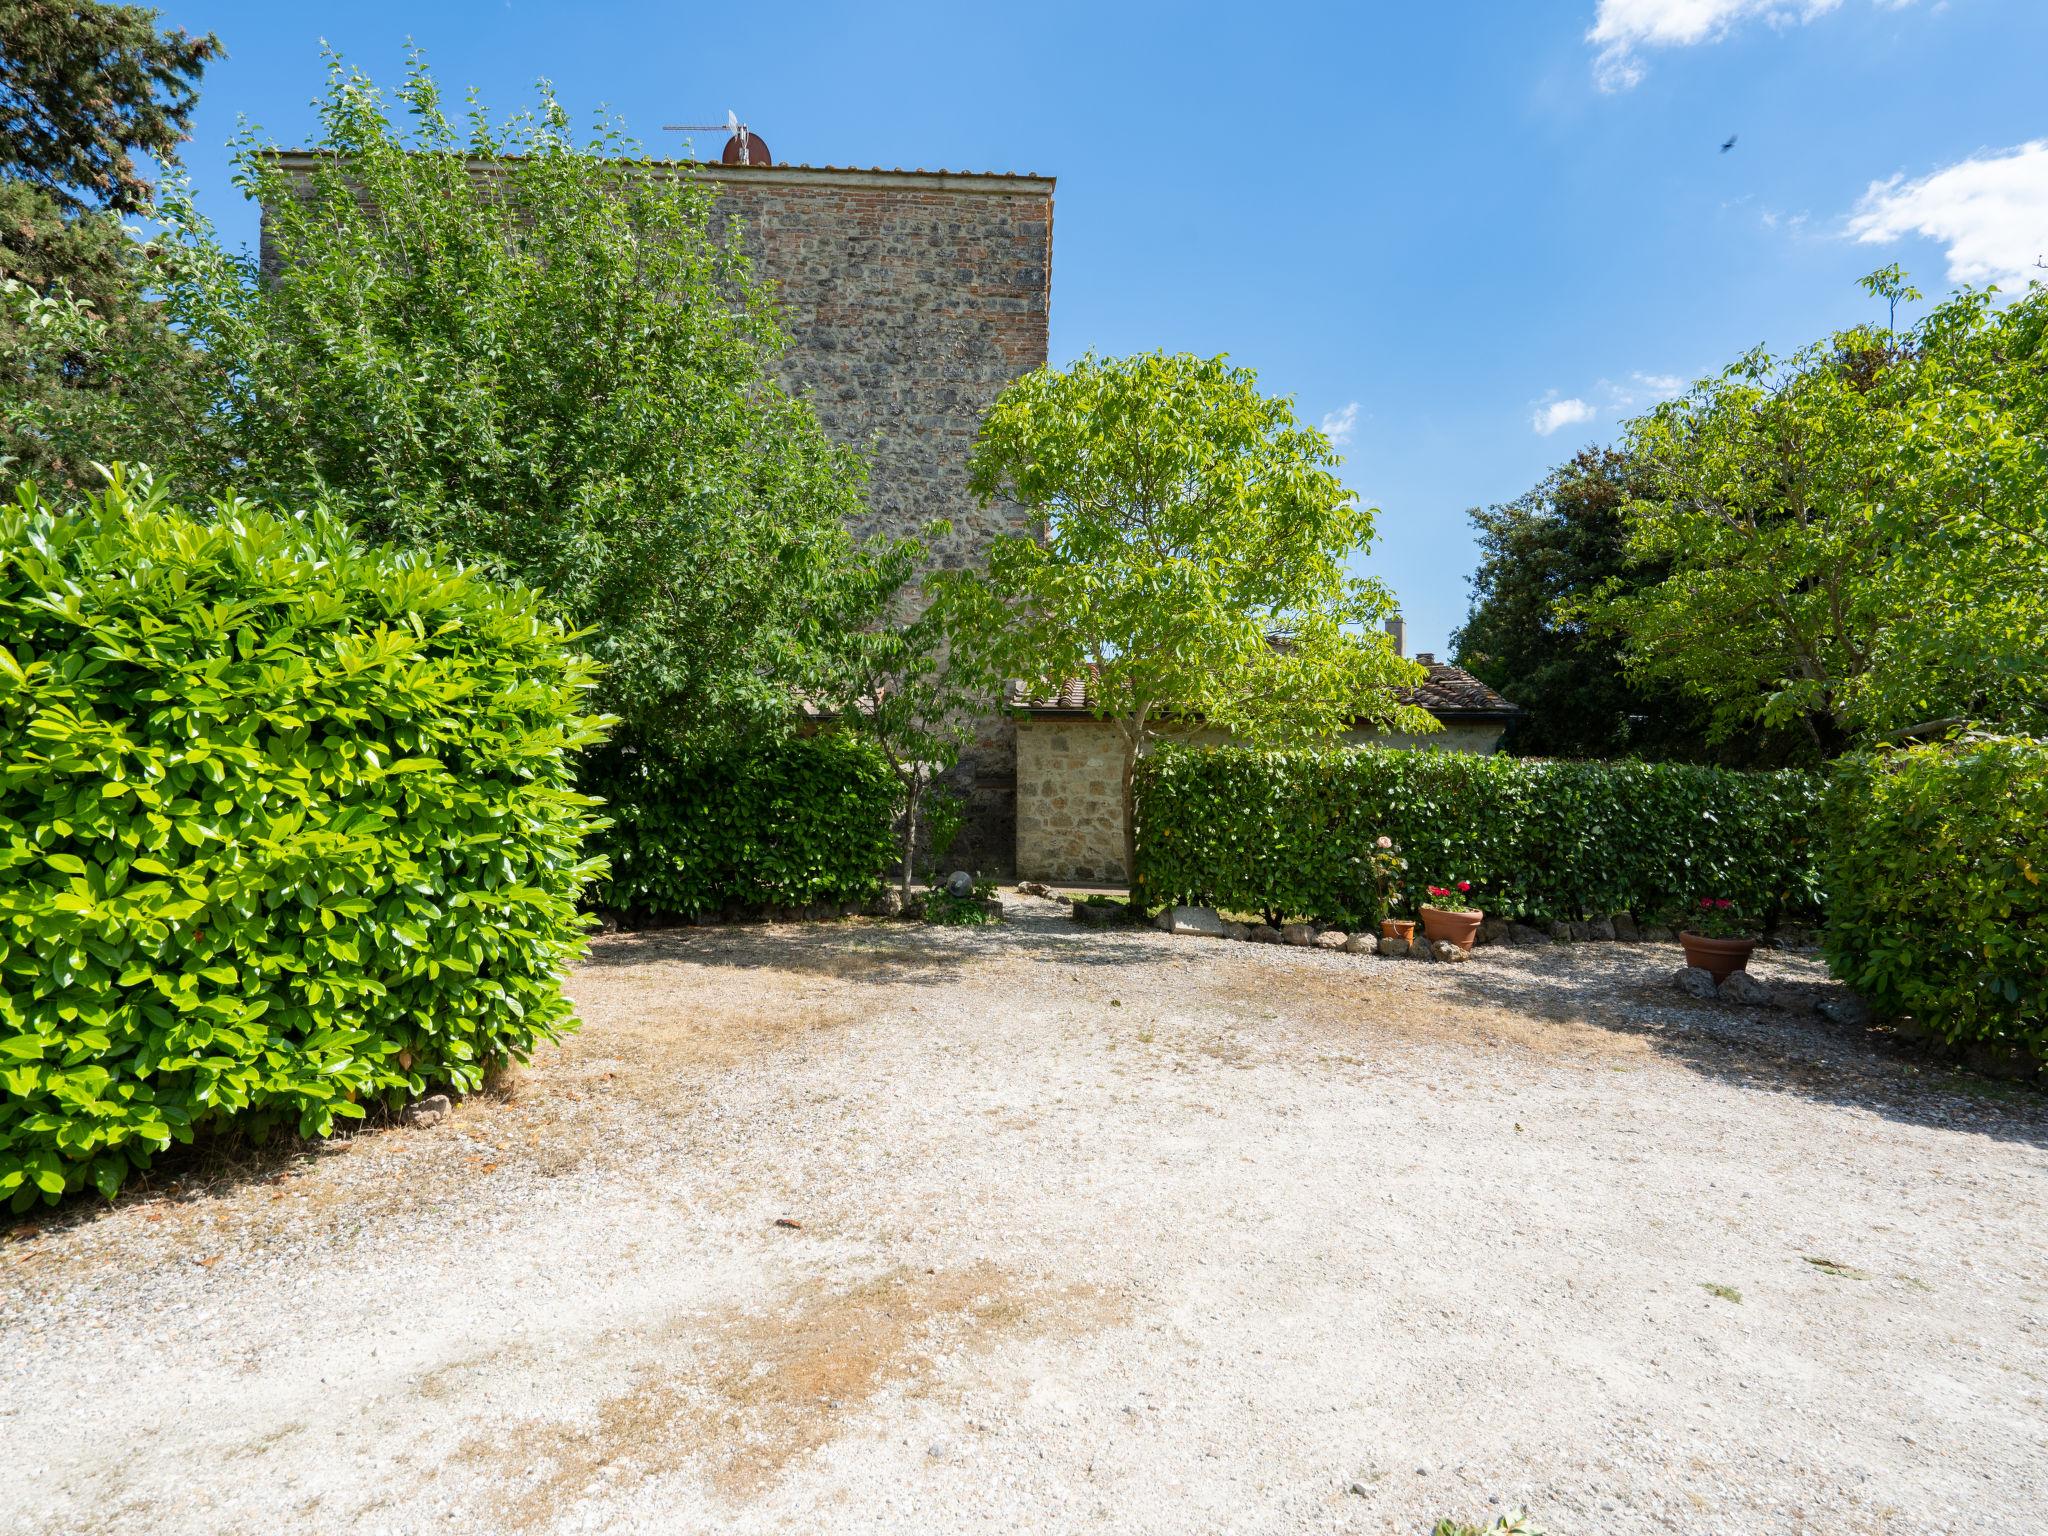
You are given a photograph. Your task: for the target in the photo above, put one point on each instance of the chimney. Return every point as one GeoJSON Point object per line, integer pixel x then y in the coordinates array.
{"type": "Point", "coordinates": [1398, 628]}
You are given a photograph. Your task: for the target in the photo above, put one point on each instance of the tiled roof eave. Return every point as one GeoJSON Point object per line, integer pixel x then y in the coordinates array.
{"type": "Point", "coordinates": [1444, 712]}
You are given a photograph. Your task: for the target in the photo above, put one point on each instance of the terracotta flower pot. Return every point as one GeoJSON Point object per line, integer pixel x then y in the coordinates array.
{"type": "Point", "coordinates": [1460, 928]}
{"type": "Point", "coordinates": [1721, 958]}
{"type": "Point", "coordinates": [1401, 928]}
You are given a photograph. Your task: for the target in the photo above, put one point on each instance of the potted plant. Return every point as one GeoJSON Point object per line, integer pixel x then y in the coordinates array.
{"type": "Point", "coordinates": [1450, 915]}
{"type": "Point", "coordinates": [1387, 867]}
{"type": "Point", "coordinates": [1717, 938]}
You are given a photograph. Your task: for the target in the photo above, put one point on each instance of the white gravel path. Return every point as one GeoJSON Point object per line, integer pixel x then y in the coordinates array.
{"type": "Point", "coordinates": [1098, 1232]}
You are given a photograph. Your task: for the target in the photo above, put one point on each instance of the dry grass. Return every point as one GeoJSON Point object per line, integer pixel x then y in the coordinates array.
{"type": "Point", "coordinates": [743, 1396]}
{"type": "Point", "coordinates": [1359, 1003]}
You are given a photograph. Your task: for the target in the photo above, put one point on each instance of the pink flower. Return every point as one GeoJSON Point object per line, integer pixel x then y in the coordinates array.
{"type": "Point", "coordinates": [1724, 904]}
{"type": "Point", "coordinates": [1386, 842]}
{"type": "Point", "coordinates": [1706, 902]}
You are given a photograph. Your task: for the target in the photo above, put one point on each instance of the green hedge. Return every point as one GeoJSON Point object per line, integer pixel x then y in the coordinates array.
{"type": "Point", "coordinates": [1936, 858]}
{"type": "Point", "coordinates": [786, 822]}
{"type": "Point", "coordinates": [1291, 832]}
{"type": "Point", "coordinates": [286, 826]}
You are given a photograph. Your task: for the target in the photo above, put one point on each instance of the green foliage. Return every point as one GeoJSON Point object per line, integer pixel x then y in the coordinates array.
{"type": "Point", "coordinates": [1936, 860]}
{"type": "Point", "coordinates": [1506, 1525]}
{"type": "Point", "coordinates": [716, 828]}
{"type": "Point", "coordinates": [1297, 832]}
{"type": "Point", "coordinates": [1189, 522]}
{"type": "Point", "coordinates": [286, 828]}
{"type": "Point", "coordinates": [1717, 917]}
{"type": "Point", "coordinates": [911, 687]}
{"type": "Point", "coordinates": [947, 815]}
{"type": "Point", "coordinates": [1541, 557]}
{"type": "Point", "coordinates": [83, 385]}
{"type": "Point", "coordinates": [542, 351]}
{"type": "Point", "coordinates": [84, 90]}
{"type": "Point", "coordinates": [1852, 539]}
{"type": "Point", "coordinates": [974, 910]}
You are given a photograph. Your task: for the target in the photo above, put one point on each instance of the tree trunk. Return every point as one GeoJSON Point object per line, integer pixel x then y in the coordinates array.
{"type": "Point", "coordinates": [913, 794]}
{"type": "Point", "coordinates": [1131, 826]}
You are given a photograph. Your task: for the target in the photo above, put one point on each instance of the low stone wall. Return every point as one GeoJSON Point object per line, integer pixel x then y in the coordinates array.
{"type": "Point", "coordinates": [1070, 820]}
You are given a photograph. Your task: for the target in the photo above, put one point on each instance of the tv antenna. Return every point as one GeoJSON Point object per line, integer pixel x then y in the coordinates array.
{"type": "Point", "coordinates": [742, 147]}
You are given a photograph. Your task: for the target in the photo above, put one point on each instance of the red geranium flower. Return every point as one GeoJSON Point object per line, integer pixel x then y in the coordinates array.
{"type": "Point", "coordinates": [1724, 903]}
{"type": "Point", "coordinates": [1464, 885]}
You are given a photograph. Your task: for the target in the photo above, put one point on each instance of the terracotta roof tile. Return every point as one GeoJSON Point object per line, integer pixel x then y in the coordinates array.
{"type": "Point", "coordinates": [1448, 691]}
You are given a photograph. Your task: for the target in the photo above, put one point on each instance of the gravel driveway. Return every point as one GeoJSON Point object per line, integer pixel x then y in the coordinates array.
{"type": "Point", "coordinates": [860, 1227]}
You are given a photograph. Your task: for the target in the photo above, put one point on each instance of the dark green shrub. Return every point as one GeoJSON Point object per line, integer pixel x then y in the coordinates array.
{"type": "Point", "coordinates": [976, 909]}
{"type": "Point", "coordinates": [286, 826]}
{"type": "Point", "coordinates": [1936, 860]}
{"type": "Point", "coordinates": [784, 822]}
{"type": "Point", "coordinates": [1294, 832]}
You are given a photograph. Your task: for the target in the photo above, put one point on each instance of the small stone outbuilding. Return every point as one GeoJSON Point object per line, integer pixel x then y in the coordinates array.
{"type": "Point", "coordinates": [1070, 820]}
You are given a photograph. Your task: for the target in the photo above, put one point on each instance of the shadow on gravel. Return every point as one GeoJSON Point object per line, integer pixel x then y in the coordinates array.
{"type": "Point", "coordinates": [1784, 1049]}
{"type": "Point", "coordinates": [1621, 990]}
{"type": "Point", "coordinates": [881, 950]}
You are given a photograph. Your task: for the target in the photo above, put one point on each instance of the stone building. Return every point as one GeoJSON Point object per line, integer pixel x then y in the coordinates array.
{"type": "Point", "coordinates": [1070, 814]}
{"type": "Point", "coordinates": [911, 299]}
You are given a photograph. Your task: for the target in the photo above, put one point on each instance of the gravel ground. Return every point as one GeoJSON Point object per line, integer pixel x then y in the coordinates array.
{"type": "Point", "coordinates": [859, 1227]}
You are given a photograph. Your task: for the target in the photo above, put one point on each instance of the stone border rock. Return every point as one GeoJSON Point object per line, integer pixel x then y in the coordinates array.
{"type": "Point", "coordinates": [1736, 987]}
{"type": "Point", "coordinates": [1619, 928]}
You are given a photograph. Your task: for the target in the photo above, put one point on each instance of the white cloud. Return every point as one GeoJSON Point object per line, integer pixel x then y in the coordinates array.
{"type": "Point", "coordinates": [1339, 425]}
{"type": "Point", "coordinates": [1621, 28]}
{"type": "Point", "coordinates": [1662, 386]}
{"type": "Point", "coordinates": [1990, 211]}
{"type": "Point", "coordinates": [1552, 415]}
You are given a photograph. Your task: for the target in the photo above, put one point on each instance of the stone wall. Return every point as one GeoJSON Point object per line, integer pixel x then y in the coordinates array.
{"type": "Point", "coordinates": [911, 300]}
{"type": "Point", "coordinates": [1070, 821]}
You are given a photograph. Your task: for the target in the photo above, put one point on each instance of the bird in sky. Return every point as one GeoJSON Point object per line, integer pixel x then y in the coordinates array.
{"type": "Point", "coordinates": [1728, 143]}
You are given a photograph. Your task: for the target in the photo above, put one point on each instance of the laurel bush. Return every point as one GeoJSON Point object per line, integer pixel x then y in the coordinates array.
{"type": "Point", "coordinates": [1295, 832]}
{"type": "Point", "coordinates": [721, 826]}
{"type": "Point", "coordinates": [288, 827]}
{"type": "Point", "coordinates": [1937, 860]}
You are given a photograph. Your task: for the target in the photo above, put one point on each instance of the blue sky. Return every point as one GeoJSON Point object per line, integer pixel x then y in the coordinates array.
{"type": "Point", "coordinates": [1475, 235]}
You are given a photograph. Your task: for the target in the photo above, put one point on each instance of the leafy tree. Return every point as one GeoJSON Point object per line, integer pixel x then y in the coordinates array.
{"type": "Point", "coordinates": [1189, 561]}
{"type": "Point", "coordinates": [1853, 540]}
{"type": "Point", "coordinates": [87, 91]}
{"type": "Point", "coordinates": [84, 89]}
{"type": "Point", "coordinates": [532, 350]}
{"type": "Point", "coordinates": [909, 686]}
{"type": "Point", "coordinates": [79, 389]}
{"type": "Point", "coordinates": [1542, 556]}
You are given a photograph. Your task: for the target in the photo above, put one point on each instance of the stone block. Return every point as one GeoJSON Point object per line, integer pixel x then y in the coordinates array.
{"type": "Point", "coordinates": [1694, 982]}
{"type": "Point", "coordinates": [1362, 944]}
{"type": "Point", "coordinates": [431, 1110]}
{"type": "Point", "coordinates": [1741, 987]}
{"type": "Point", "coordinates": [1845, 1009]}
{"type": "Point", "coordinates": [1199, 921]}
